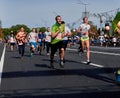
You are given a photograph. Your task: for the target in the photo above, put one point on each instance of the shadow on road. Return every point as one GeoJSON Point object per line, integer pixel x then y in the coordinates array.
{"type": "Point", "coordinates": [64, 92]}
{"type": "Point", "coordinates": [96, 73]}
{"type": "Point", "coordinates": [57, 93]}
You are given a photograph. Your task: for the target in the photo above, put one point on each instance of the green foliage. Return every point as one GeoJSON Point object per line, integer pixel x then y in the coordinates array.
{"type": "Point", "coordinates": [18, 26]}
{"type": "Point", "coordinates": [14, 28]}
{"type": "Point", "coordinates": [6, 31]}
{"type": "Point", "coordinates": [93, 29]}
{"type": "Point", "coordinates": [42, 29]}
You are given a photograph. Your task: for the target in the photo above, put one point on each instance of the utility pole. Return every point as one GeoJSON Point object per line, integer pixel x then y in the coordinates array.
{"type": "Point", "coordinates": [85, 10]}
{"type": "Point", "coordinates": [85, 13]}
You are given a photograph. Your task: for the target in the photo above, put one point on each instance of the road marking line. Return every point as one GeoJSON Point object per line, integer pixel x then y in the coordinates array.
{"type": "Point", "coordinates": [2, 63]}
{"type": "Point", "coordinates": [107, 53]}
{"type": "Point", "coordinates": [97, 65]}
{"type": "Point", "coordinates": [97, 52]}
{"type": "Point", "coordinates": [71, 49]}
{"type": "Point", "coordinates": [115, 48]}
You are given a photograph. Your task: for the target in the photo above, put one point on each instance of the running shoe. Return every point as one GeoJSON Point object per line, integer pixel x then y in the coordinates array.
{"type": "Point", "coordinates": [88, 62]}
{"type": "Point", "coordinates": [61, 64]}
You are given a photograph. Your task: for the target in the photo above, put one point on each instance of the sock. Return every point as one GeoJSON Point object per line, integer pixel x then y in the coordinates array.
{"type": "Point", "coordinates": [88, 60]}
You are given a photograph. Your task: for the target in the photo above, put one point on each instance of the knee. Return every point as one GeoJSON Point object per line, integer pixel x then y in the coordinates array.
{"type": "Point", "coordinates": [88, 49]}
{"type": "Point", "coordinates": [62, 49]}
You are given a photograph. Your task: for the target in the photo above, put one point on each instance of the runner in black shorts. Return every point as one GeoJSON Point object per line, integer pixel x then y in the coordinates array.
{"type": "Point", "coordinates": [56, 41]}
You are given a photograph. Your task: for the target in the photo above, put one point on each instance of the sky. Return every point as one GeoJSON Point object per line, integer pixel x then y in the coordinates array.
{"type": "Point", "coordinates": [39, 13]}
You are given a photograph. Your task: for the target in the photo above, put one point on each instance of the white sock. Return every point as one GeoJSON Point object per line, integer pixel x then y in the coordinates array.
{"type": "Point", "coordinates": [88, 60]}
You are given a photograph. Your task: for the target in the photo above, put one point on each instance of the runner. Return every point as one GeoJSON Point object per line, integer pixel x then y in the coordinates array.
{"type": "Point", "coordinates": [40, 41]}
{"type": "Point", "coordinates": [47, 40]}
{"type": "Point", "coordinates": [65, 38]}
{"type": "Point", "coordinates": [21, 36]}
{"type": "Point", "coordinates": [32, 37]}
{"type": "Point", "coordinates": [12, 41]}
{"type": "Point", "coordinates": [56, 41]}
{"type": "Point", "coordinates": [85, 30]}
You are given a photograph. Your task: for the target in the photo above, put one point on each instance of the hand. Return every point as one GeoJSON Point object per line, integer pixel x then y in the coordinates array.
{"type": "Point", "coordinates": [118, 30]}
{"type": "Point", "coordinates": [59, 29]}
{"type": "Point", "coordinates": [63, 34]}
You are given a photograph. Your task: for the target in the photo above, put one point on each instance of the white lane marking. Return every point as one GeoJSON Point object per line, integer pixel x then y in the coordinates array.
{"type": "Point", "coordinates": [96, 65]}
{"type": "Point", "coordinates": [105, 48]}
{"type": "Point", "coordinates": [107, 53]}
{"type": "Point", "coordinates": [97, 52]}
{"type": "Point", "coordinates": [93, 64]}
{"type": "Point", "coordinates": [71, 49]}
{"type": "Point", "coordinates": [2, 63]}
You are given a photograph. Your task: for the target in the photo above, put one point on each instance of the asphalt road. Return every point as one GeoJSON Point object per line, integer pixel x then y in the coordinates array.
{"type": "Point", "coordinates": [31, 77]}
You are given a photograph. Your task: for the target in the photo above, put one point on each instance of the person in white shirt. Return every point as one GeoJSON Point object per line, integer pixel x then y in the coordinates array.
{"type": "Point", "coordinates": [47, 35]}
{"type": "Point", "coordinates": [32, 37]}
{"type": "Point", "coordinates": [114, 40]}
{"type": "Point", "coordinates": [65, 38]}
{"type": "Point", "coordinates": [67, 34]}
{"type": "Point", "coordinates": [101, 39]}
{"type": "Point", "coordinates": [12, 41]}
{"type": "Point", "coordinates": [85, 31]}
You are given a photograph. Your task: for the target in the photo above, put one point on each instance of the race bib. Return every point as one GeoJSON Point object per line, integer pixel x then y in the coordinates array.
{"type": "Point", "coordinates": [39, 40]}
{"type": "Point", "coordinates": [59, 36]}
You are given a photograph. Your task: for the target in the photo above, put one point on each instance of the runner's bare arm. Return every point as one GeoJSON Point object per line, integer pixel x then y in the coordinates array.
{"type": "Point", "coordinates": [118, 31]}
{"type": "Point", "coordinates": [54, 34]}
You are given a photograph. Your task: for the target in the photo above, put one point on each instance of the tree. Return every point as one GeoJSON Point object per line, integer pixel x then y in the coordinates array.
{"type": "Point", "coordinates": [6, 31]}
{"type": "Point", "coordinates": [1, 35]}
{"type": "Point", "coordinates": [17, 27]}
{"type": "Point", "coordinates": [42, 29]}
{"type": "Point", "coordinates": [93, 28]}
